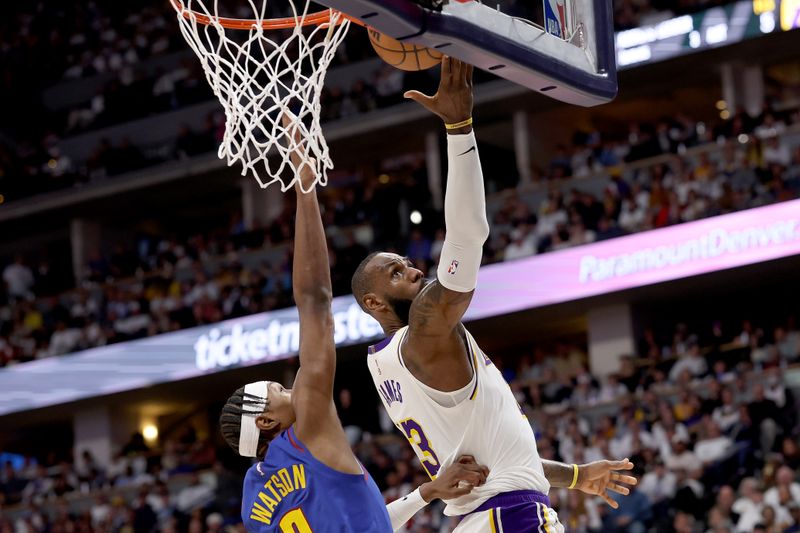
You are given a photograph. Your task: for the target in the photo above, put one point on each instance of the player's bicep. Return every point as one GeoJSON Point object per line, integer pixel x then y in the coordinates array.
{"type": "Point", "coordinates": [438, 310]}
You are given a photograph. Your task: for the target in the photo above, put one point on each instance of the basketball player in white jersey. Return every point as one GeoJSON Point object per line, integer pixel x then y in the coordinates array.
{"type": "Point", "coordinates": [438, 387]}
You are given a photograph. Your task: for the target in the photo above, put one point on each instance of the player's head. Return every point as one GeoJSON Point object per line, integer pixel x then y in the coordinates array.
{"type": "Point", "coordinates": [254, 415]}
{"type": "Point", "coordinates": [385, 284]}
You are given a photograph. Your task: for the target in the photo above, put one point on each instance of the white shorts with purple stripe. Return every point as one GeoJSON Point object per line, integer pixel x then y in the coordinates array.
{"type": "Point", "coordinates": [521, 511]}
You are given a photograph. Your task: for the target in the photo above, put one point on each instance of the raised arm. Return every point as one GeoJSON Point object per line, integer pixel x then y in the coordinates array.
{"type": "Point", "coordinates": [317, 423]}
{"type": "Point", "coordinates": [438, 309]}
{"type": "Point", "coordinates": [312, 394]}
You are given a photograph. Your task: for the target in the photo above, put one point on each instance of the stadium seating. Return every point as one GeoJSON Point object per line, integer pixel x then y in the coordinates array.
{"type": "Point", "coordinates": [594, 191]}
{"type": "Point", "coordinates": [705, 417]}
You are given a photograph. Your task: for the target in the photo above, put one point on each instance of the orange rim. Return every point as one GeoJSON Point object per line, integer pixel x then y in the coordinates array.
{"type": "Point", "coordinates": [312, 19]}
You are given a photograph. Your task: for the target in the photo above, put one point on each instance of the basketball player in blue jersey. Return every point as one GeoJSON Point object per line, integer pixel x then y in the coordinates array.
{"type": "Point", "coordinates": [439, 388]}
{"type": "Point", "coordinates": [309, 479]}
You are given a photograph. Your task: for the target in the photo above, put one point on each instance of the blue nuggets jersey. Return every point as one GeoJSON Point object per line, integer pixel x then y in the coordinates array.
{"type": "Point", "coordinates": [290, 491]}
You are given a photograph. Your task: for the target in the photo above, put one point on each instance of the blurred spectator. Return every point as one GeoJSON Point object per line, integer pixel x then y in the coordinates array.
{"type": "Point", "coordinates": [689, 361]}
{"type": "Point", "coordinates": [18, 279]}
{"type": "Point", "coordinates": [633, 514]}
{"type": "Point", "coordinates": [195, 495]}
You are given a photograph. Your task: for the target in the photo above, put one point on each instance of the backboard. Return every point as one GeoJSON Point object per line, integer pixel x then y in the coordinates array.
{"type": "Point", "coordinates": [561, 48]}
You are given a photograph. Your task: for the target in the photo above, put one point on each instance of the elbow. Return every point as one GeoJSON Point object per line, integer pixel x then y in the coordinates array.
{"type": "Point", "coordinates": [483, 231]}
{"type": "Point", "coordinates": [477, 236]}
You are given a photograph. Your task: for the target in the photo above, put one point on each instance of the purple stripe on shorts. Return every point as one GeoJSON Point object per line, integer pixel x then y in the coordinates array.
{"type": "Point", "coordinates": [516, 497]}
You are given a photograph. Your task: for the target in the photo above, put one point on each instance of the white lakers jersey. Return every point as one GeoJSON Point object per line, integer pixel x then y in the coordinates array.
{"type": "Point", "coordinates": [488, 424]}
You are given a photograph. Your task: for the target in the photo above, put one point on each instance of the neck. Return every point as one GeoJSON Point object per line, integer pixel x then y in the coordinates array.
{"type": "Point", "coordinates": [391, 325]}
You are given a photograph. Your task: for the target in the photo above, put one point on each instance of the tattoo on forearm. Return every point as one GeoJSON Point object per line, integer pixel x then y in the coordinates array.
{"type": "Point", "coordinates": [558, 474]}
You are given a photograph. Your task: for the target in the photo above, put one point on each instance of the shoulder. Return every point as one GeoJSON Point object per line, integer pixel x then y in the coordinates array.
{"type": "Point", "coordinates": [253, 481]}
{"type": "Point", "coordinates": [388, 344]}
{"type": "Point", "coordinates": [462, 329]}
{"type": "Point", "coordinates": [384, 355]}
{"type": "Point", "coordinates": [384, 360]}
{"type": "Point", "coordinates": [256, 472]}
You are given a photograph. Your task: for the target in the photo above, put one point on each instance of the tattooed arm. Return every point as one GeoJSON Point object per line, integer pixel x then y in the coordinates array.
{"type": "Point", "coordinates": [434, 348]}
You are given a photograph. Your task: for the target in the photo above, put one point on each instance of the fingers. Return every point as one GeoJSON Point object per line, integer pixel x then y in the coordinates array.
{"type": "Point", "coordinates": [472, 474]}
{"type": "Point", "coordinates": [447, 70]}
{"type": "Point", "coordinates": [422, 99]}
{"type": "Point", "coordinates": [304, 166]}
{"type": "Point", "coordinates": [480, 471]}
{"type": "Point", "coordinates": [287, 117]}
{"type": "Point", "coordinates": [609, 500]}
{"type": "Point", "coordinates": [290, 125]}
{"type": "Point", "coordinates": [462, 490]}
{"type": "Point", "coordinates": [470, 460]}
{"type": "Point", "coordinates": [625, 464]}
{"type": "Point", "coordinates": [621, 478]}
{"type": "Point", "coordinates": [619, 489]}
{"type": "Point", "coordinates": [289, 121]}
{"type": "Point", "coordinates": [459, 71]}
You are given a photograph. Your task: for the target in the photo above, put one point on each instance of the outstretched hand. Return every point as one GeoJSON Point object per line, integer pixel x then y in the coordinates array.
{"type": "Point", "coordinates": [306, 176]}
{"type": "Point", "coordinates": [453, 101]}
{"type": "Point", "coordinates": [599, 477]}
{"type": "Point", "coordinates": [456, 480]}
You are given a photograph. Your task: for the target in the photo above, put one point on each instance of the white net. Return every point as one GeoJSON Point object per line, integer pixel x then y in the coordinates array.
{"type": "Point", "coordinates": [263, 75]}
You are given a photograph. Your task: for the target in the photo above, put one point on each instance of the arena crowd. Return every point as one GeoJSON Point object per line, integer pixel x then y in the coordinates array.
{"type": "Point", "coordinates": [704, 414]}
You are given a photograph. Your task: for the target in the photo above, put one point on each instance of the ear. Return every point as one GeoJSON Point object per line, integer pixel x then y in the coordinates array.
{"type": "Point", "coordinates": [266, 423]}
{"type": "Point", "coordinates": [373, 303]}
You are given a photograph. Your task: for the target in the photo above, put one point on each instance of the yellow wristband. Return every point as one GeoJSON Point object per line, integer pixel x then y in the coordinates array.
{"type": "Point", "coordinates": [574, 476]}
{"type": "Point", "coordinates": [457, 125]}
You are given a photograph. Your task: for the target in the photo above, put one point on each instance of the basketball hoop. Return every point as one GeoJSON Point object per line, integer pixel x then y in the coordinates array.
{"type": "Point", "coordinates": [261, 77]}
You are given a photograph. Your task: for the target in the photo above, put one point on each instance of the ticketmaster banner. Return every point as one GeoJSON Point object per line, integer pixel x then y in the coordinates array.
{"type": "Point", "coordinates": [657, 256]}
{"type": "Point", "coordinates": [271, 336]}
{"type": "Point", "coordinates": [251, 340]}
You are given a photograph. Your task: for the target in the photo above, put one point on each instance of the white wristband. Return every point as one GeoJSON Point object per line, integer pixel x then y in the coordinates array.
{"type": "Point", "coordinates": [401, 510]}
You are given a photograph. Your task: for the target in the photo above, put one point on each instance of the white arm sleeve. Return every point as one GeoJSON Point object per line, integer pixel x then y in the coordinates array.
{"type": "Point", "coordinates": [466, 226]}
{"type": "Point", "coordinates": [401, 510]}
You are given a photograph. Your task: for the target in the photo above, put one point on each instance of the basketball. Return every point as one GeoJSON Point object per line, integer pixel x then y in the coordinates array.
{"type": "Point", "coordinates": [401, 55]}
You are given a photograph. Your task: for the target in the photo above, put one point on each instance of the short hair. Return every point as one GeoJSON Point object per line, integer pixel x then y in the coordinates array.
{"type": "Point", "coordinates": [230, 421]}
{"type": "Point", "coordinates": [360, 284]}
